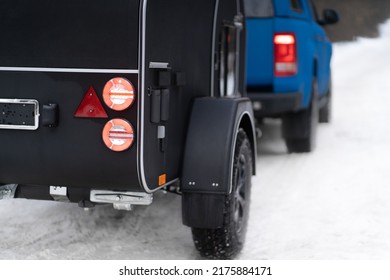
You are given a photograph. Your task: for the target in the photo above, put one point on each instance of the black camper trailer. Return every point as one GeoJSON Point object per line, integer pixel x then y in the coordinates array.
{"type": "Point", "coordinates": [108, 103]}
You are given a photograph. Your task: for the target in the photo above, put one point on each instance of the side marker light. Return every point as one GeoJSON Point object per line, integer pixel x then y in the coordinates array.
{"type": "Point", "coordinates": [162, 179]}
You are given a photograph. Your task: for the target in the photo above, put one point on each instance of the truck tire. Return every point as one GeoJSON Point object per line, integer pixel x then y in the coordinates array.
{"type": "Point", "coordinates": [226, 242]}
{"type": "Point", "coordinates": [325, 113]}
{"type": "Point", "coordinates": [299, 128]}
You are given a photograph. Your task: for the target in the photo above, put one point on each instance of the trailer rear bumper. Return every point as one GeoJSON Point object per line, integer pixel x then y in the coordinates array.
{"type": "Point", "coordinates": [85, 198]}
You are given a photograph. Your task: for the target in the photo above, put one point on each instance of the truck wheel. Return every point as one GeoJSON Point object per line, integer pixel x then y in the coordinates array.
{"type": "Point", "coordinates": [227, 241]}
{"type": "Point", "coordinates": [325, 113]}
{"type": "Point", "coordinates": [299, 128]}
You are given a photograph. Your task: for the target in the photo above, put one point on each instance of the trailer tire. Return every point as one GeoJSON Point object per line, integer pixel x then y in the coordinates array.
{"type": "Point", "coordinates": [300, 128]}
{"type": "Point", "coordinates": [226, 242]}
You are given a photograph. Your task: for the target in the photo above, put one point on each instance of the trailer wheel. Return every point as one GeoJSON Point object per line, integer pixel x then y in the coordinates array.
{"type": "Point", "coordinates": [227, 241]}
{"type": "Point", "coordinates": [299, 128]}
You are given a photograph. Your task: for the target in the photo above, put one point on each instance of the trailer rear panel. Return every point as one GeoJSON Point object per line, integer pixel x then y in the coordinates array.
{"type": "Point", "coordinates": [55, 53]}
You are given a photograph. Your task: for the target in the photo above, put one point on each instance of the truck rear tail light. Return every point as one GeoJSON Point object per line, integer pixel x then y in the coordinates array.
{"type": "Point", "coordinates": [285, 52]}
{"type": "Point", "coordinates": [118, 94]}
{"type": "Point", "coordinates": [118, 135]}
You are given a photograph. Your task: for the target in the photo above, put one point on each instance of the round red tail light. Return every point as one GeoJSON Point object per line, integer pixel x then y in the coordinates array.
{"type": "Point", "coordinates": [118, 94]}
{"type": "Point", "coordinates": [118, 135]}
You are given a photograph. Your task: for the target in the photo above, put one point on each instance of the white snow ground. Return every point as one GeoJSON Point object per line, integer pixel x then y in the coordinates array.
{"type": "Point", "coordinates": [331, 204]}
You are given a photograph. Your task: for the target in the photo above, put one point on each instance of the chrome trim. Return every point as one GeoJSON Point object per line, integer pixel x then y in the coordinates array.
{"type": "Point", "coordinates": [221, 65]}
{"type": "Point", "coordinates": [168, 184]}
{"type": "Point", "coordinates": [23, 101]}
{"type": "Point", "coordinates": [158, 65]}
{"type": "Point", "coordinates": [69, 70]}
{"type": "Point", "coordinates": [238, 23]}
{"type": "Point", "coordinates": [141, 78]}
{"type": "Point", "coordinates": [7, 191]}
{"type": "Point", "coordinates": [213, 47]}
{"type": "Point", "coordinates": [59, 193]}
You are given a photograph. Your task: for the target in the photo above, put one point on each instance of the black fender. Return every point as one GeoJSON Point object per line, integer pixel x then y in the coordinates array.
{"type": "Point", "coordinates": [208, 157]}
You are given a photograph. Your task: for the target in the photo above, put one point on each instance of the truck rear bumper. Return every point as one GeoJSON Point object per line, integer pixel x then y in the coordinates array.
{"type": "Point", "coordinates": [271, 104]}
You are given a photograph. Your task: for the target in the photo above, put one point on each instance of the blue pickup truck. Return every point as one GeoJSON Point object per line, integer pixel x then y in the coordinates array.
{"type": "Point", "coordinates": [288, 66]}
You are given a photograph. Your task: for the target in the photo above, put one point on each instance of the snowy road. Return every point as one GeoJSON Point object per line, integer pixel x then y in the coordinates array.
{"type": "Point", "coordinates": [331, 204]}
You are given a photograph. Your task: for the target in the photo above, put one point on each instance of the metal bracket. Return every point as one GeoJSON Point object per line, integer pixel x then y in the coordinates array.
{"type": "Point", "coordinates": [159, 65]}
{"type": "Point", "coordinates": [7, 191]}
{"type": "Point", "coordinates": [121, 200]}
{"type": "Point", "coordinates": [59, 193]}
{"type": "Point", "coordinates": [239, 21]}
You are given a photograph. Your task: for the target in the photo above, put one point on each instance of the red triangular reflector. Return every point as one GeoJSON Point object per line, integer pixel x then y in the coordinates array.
{"type": "Point", "coordinates": [90, 106]}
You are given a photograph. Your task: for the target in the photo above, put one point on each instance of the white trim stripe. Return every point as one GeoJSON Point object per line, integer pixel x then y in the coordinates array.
{"type": "Point", "coordinates": [141, 121]}
{"type": "Point", "coordinates": [69, 70]}
{"type": "Point", "coordinates": [213, 48]}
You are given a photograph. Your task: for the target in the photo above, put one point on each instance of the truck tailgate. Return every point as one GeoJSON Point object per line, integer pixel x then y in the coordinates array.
{"type": "Point", "coordinates": [260, 33]}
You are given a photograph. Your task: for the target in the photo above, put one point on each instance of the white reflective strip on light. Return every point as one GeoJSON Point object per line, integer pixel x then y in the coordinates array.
{"type": "Point", "coordinates": [119, 135]}
{"type": "Point", "coordinates": [122, 92]}
{"type": "Point", "coordinates": [69, 70]}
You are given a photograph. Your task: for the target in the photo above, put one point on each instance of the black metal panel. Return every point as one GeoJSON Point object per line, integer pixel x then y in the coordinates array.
{"type": "Point", "coordinates": [33, 192]}
{"type": "Point", "coordinates": [181, 33]}
{"type": "Point", "coordinates": [178, 32]}
{"type": "Point", "coordinates": [73, 152]}
{"type": "Point", "coordinates": [77, 195]}
{"type": "Point", "coordinates": [69, 33]}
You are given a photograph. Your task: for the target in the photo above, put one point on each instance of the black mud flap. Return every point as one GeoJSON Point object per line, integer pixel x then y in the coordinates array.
{"type": "Point", "coordinates": [203, 210]}
{"type": "Point", "coordinates": [208, 158]}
